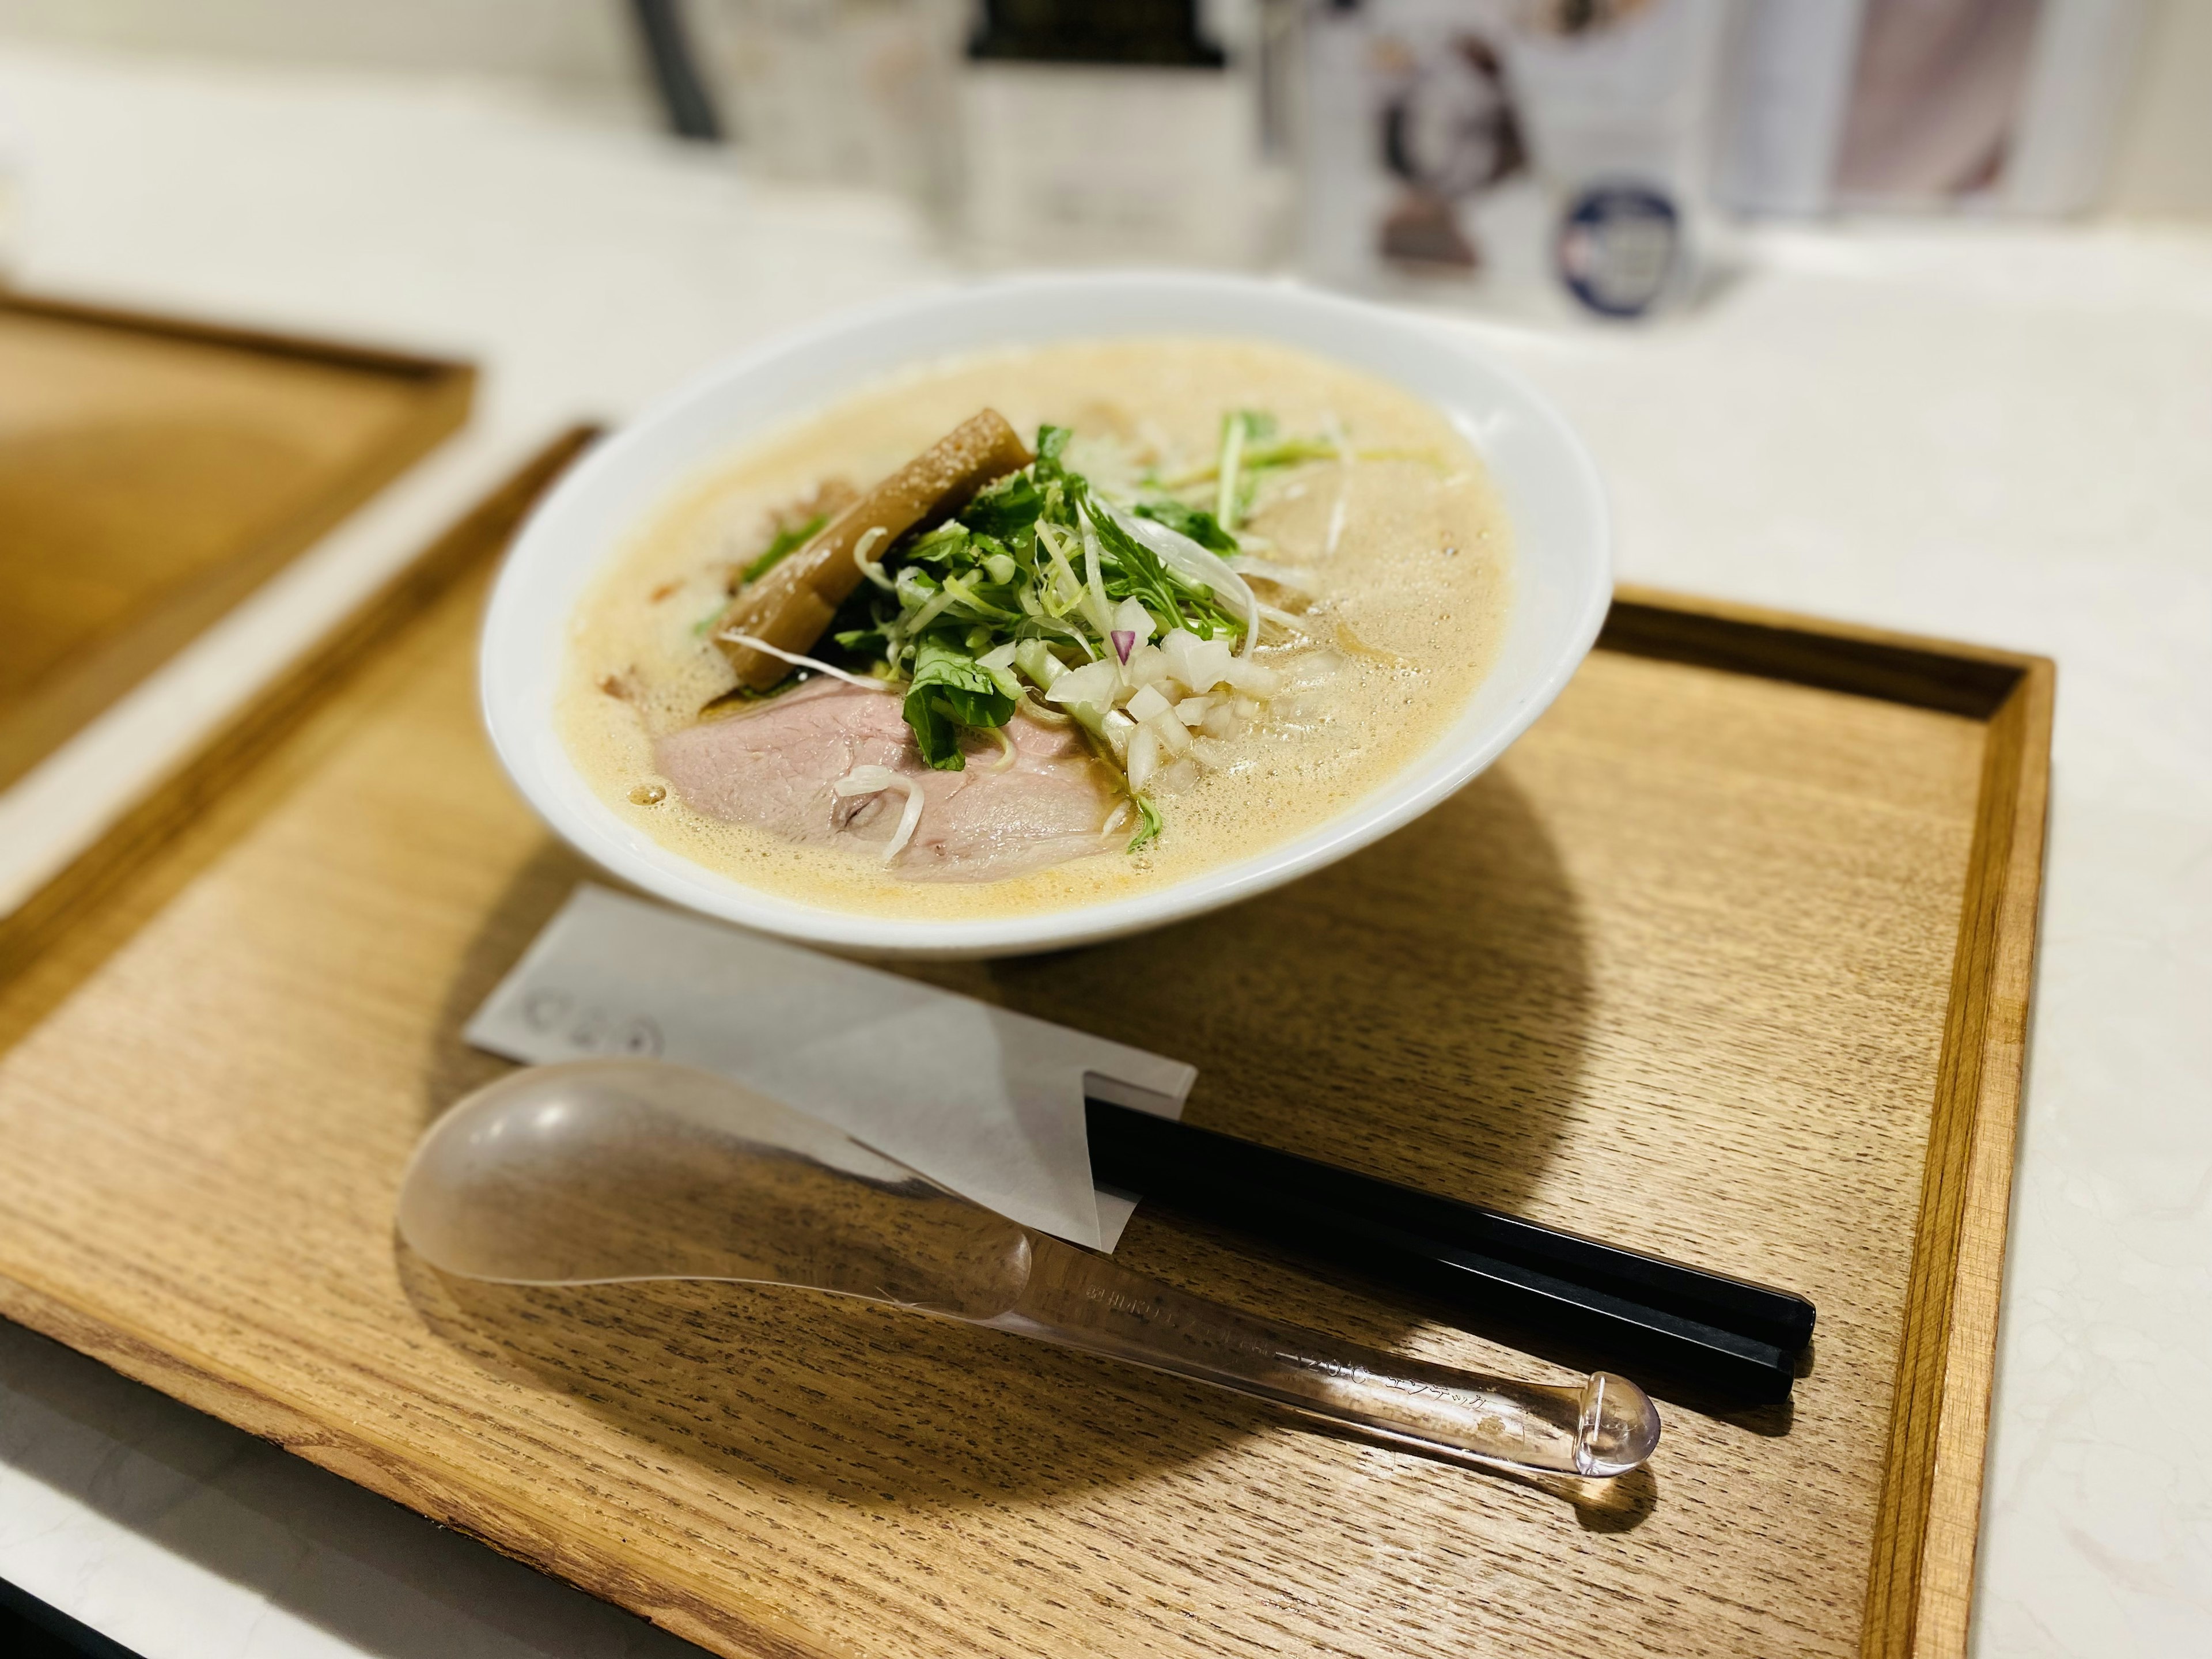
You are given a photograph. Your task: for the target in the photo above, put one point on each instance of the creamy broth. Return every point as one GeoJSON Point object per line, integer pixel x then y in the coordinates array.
{"type": "Point", "coordinates": [1413, 599]}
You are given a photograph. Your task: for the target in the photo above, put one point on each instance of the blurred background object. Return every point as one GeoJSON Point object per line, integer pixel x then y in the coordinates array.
{"type": "Point", "coordinates": [153, 473]}
{"type": "Point", "coordinates": [2162, 165]}
{"type": "Point", "coordinates": [683, 96]}
{"type": "Point", "coordinates": [1946, 422]}
{"type": "Point", "coordinates": [2012, 106]}
{"type": "Point", "coordinates": [1489, 150]}
{"type": "Point", "coordinates": [841, 92]}
{"type": "Point", "coordinates": [582, 52]}
{"type": "Point", "coordinates": [1512, 151]}
{"type": "Point", "coordinates": [1116, 131]}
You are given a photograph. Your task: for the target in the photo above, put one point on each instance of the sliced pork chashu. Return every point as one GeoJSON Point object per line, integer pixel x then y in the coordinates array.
{"type": "Point", "coordinates": [776, 766]}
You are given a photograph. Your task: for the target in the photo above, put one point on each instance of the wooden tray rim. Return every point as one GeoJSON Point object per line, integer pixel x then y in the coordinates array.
{"type": "Point", "coordinates": [1920, 1584]}
{"type": "Point", "coordinates": [350, 354]}
{"type": "Point", "coordinates": [113, 664]}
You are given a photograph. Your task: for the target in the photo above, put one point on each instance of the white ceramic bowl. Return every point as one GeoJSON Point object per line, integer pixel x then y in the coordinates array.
{"type": "Point", "coordinates": [1562, 578]}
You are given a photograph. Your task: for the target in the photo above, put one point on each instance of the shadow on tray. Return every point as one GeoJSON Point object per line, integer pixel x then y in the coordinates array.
{"type": "Point", "coordinates": [1418, 1010]}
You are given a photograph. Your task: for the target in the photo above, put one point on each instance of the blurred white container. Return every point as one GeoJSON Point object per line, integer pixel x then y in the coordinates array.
{"type": "Point", "coordinates": [850, 92]}
{"type": "Point", "coordinates": [1790, 87]}
{"type": "Point", "coordinates": [1078, 163]}
{"type": "Point", "coordinates": [1026, 162]}
{"type": "Point", "coordinates": [1533, 155]}
{"type": "Point", "coordinates": [1129, 134]}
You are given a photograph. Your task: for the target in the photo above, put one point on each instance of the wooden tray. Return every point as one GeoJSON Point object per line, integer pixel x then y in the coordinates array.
{"type": "Point", "coordinates": [153, 472]}
{"type": "Point", "coordinates": [1728, 958]}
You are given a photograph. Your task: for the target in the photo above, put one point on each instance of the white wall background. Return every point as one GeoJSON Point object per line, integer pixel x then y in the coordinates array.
{"type": "Point", "coordinates": [2164, 167]}
{"type": "Point", "coordinates": [582, 50]}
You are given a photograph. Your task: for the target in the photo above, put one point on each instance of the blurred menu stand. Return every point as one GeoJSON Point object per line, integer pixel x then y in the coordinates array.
{"type": "Point", "coordinates": [1111, 131]}
{"type": "Point", "coordinates": [1031, 131]}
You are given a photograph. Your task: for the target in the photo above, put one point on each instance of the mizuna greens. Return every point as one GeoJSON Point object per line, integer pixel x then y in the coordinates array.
{"type": "Point", "coordinates": [1047, 596]}
{"type": "Point", "coordinates": [705, 699]}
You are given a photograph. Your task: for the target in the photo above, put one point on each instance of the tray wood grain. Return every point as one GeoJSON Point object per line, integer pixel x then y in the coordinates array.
{"type": "Point", "coordinates": [1728, 958]}
{"type": "Point", "coordinates": [153, 472]}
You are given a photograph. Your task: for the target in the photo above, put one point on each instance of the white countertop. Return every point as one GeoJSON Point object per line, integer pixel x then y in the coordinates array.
{"type": "Point", "coordinates": [1991, 432]}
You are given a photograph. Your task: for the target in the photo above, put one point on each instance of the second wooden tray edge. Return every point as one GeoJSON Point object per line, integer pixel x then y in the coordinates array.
{"type": "Point", "coordinates": [699, 1613]}
{"type": "Point", "coordinates": [1920, 1586]}
{"type": "Point", "coordinates": [64, 703]}
{"type": "Point", "coordinates": [383, 359]}
{"type": "Point", "coordinates": [1945, 674]}
{"type": "Point", "coordinates": [276, 709]}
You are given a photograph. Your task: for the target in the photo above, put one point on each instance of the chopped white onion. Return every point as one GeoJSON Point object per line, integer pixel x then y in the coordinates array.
{"type": "Point", "coordinates": [1201, 665]}
{"type": "Point", "coordinates": [1146, 703]}
{"type": "Point", "coordinates": [1209, 753]}
{"type": "Point", "coordinates": [1255, 679]}
{"type": "Point", "coordinates": [1170, 730]}
{"type": "Point", "coordinates": [874, 779]}
{"type": "Point", "coordinates": [1094, 683]}
{"type": "Point", "coordinates": [1144, 756]}
{"type": "Point", "coordinates": [1147, 663]}
{"type": "Point", "coordinates": [1192, 711]}
{"type": "Point", "coordinates": [1132, 615]}
{"type": "Point", "coordinates": [1202, 565]}
{"type": "Point", "coordinates": [1223, 722]}
{"type": "Point", "coordinates": [1176, 777]}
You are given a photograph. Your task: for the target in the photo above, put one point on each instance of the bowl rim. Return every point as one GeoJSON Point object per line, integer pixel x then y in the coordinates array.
{"type": "Point", "coordinates": [516, 736]}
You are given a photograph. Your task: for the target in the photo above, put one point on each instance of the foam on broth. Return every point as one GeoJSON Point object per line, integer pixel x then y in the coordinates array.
{"type": "Point", "coordinates": [1419, 585]}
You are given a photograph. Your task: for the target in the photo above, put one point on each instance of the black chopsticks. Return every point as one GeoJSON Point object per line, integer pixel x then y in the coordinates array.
{"type": "Point", "coordinates": [1734, 1338]}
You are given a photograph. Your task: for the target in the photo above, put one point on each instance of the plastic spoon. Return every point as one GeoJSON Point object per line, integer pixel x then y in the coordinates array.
{"type": "Point", "coordinates": [609, 1170]}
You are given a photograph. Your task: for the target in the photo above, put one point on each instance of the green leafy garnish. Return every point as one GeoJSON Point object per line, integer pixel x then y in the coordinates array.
{"type": "Point", "coordinates": [1027, 584]}
{"type": "Point", "coordinates": [1129, 568]}
{"type": "Point", "coordinates": [1149, 830]}
{"type": "Point", "coordinates": [950, 689]}
{"type": "Point", "coordinates": [1194, 522]}
{"type": "Point", "coordinates": [1005, 508]}
{"type": "Point", "coordinates": [787, 540]}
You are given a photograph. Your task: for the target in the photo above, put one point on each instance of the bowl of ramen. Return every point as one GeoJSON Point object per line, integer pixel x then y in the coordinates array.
{"type": "Point", "coordinates": [1042, 612]}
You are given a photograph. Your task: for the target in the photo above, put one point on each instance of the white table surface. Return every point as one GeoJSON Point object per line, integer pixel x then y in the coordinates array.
{"type": "Point", "coordinates": [1990, 433]}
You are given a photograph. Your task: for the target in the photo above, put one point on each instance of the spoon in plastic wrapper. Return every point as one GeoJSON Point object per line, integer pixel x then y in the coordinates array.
{"type": "Point", "coordinates": [603, 1172]}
